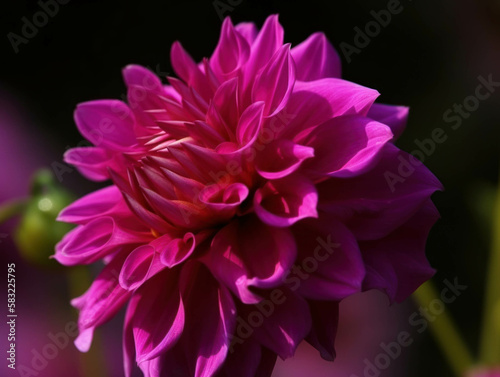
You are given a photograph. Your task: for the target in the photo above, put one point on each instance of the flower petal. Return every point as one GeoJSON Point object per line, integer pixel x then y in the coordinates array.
{"type": "Point", "coordinates": [314, 102]}
{"type": "Point", "coordinates": [101, 302]}
{"type": "Point", "coordinates": [325, 316]}
{"type": "Point", "coordinates": [142, 77]}
{"type": "Point", "coordinates": [267, 42]}
{"type": "Point", "coordinates": [394, 116]}
{"type": "Point", "coordinates": [103, 202]}
{"type": "Point", "coordinates": [315, 58]}
{"type": "Point", "coordinates": [285, 201]}
{"type": "Point", "coordinates": [91, 162]}
{"type": "Point", "coordinates": [142, 264]}
{"type": "Point", "coordinates": [248, 359]}
{"type": "Point", "coordinates": [388, 199]}
{"type": "Point", "coordinates": [281, 158]}
{"type": "Point", "coordinates": [397, 263]}
{"type": "Point", "coordinates": [284, 327]}
{"type": "Point", "coordinates": [247, 254]}
{"type": "Point", "coordinates": [274, 84]}
{"type": "Point", "coordinates": [210, 319]}
{"type": "Point", "coordinates": [345, 146]}
{"type": "Point", "coordinates": [159, 323]}
{"type": "Point", "coordinates": [329, 263]}
{"type": "Point", "coordinates": [231, 53]}
{"type": "Point", "coordinates": [188, 70]}
{"type": "Point", "coordinates": [90, 242]}
{"type": "Point", "coordinates": [106, 123]}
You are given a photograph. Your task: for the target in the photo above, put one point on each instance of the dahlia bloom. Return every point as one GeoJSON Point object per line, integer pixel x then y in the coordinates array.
{"type": "Point", "coordinates": [248, 198]}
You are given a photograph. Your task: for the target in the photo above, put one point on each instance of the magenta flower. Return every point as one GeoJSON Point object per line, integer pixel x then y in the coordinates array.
{"type": "Point", "coordinates": [249, 197]}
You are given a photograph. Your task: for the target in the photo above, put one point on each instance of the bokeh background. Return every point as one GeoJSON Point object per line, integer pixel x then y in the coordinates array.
{"type": "Point", "coordinates": [429, 57]}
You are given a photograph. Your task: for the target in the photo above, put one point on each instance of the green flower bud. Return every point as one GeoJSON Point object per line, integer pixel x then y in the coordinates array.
{"type": "Point", "coordinates": [38, 231]}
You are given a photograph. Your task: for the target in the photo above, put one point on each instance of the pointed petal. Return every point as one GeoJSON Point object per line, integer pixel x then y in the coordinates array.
{"type": "Point", "coordinates": [267, 42]}
{"type": "Point", "coordinates": [159, 323]}
{"type": "Point", "coordinates": [250, 124]}
{"type": "Point", "coordinates": [393, 116]}
{"type": "Point", "coordinates": [188, 70]}
{"type": "Point", "coordinates": [231, 52]}
{"type": "Point", "coordinates": [315, 58]}
{"type": "Point", "coordinates": [325, 316]}
{"type": "Point", "coordinates": [397, 263]}
{"type": "Point", "coordinates": [142, 264]}
{"type": "Point", "coordinates": [275, 82]}
{"type": "Point", "coordinates": [285, 327]}
{"type": "Point", "coordinates": [247, 30]}
{"type": "Point", "coordinates": [210, 319]}
{"type": "Point", "coordinates": [101, 302]}
{"type": "Point", "coordinates": [389, 199]}
{"type": "Point", "coordinates": [143, 77]}
{"type": "Point", "coordinates": [106, 123]}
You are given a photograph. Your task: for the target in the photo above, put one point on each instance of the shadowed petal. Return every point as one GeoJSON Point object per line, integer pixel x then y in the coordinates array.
{"type": "Point", "coordinates": [394, 116]}
{"type": "Point", "coordinates": [285, 326]}
{"type": "Point", "coordinates": [397, 263]}
{"type": "Point", "coordinates": [281, 158]}
{"type": "Point", "coordinates": [248, 253]}
{"type": "Point", "coordinates": [285, 201]}
{"type": "Point", "coordinates": [325, 316]}
{"type": "Point", "coordinates": [373, 204]}
{"type": "Point", "coordinates": [329, 263]}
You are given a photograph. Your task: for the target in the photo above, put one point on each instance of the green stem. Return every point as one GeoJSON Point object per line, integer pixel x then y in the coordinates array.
{"type": "Point", "coordinates": [445, 332]}
{"type": "Point", "coordinates": [11, 209]}
{"type": "Point", "coordinates": [490, 333]}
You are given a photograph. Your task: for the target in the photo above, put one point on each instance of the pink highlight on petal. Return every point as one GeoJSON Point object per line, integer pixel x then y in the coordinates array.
{"type": "Point", "coordinates": [281, 158]}
{"type": "Point", "coordinates": [283, 202]}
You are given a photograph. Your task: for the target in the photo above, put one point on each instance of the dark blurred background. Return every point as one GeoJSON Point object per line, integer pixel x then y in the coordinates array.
{"type": "Point", "coordinates": [429, 57]}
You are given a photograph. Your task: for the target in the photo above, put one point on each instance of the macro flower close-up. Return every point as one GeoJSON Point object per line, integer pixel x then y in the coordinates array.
{"type": "Point", "coordinates": [233, 188]}
{"type": "Point", "coordinates": [247, 198]}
